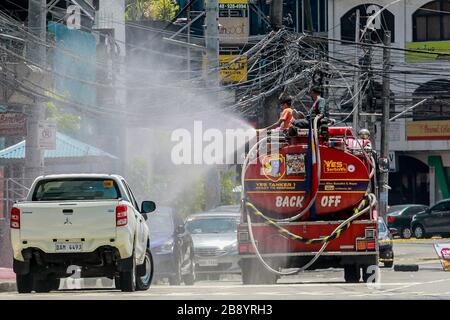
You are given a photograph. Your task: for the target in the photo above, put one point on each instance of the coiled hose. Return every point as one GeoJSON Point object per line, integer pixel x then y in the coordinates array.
{"type": "Point", "coordinates": [326, 240]}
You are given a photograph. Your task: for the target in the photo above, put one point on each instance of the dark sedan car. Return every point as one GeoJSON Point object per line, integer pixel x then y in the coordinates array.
{"type": "Point", "coordinates": [433, 221]}
{"type": "Point", "coordinates": [385, 244]}
{"type": "Point", "coordinates": [400, 216]}
{"type": "Point", "coordinates": [172, 247]}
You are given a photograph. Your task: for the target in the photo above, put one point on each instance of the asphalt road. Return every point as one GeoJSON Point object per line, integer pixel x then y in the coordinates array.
{"type": "Point", "coordinates": [430, 282]}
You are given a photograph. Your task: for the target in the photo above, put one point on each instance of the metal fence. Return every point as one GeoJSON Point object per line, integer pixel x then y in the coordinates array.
{"type": "Point", "coordinates": [11, 191]}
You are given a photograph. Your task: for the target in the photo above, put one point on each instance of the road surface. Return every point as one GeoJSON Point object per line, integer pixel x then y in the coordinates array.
{"type": "Point", "coordinates": [430, 282]}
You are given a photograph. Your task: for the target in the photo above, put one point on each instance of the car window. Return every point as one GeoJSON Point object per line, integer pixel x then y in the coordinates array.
{"type": "Point", "coordinates": [443, 206]}
{"type": "Point", "coordinates": [396, 208]}
{"type": "Point", "coordinates": [132, 198]}
{"type": "Point", "coordinates": [414, 210]}
{"type": "Point", "coordinates": [76, 189]}
{"type": "Point", "coordinates": [212, 225]}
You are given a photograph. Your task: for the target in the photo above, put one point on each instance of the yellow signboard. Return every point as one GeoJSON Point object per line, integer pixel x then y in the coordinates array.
{"type": "Point", "coordinates": [428, 130]}
{"type": "Point", "coordinates": [429, 46]}
{"type": "Point", "coordinates": [233, 2]}
{"type": "Point", "coordinates": [235, 71]}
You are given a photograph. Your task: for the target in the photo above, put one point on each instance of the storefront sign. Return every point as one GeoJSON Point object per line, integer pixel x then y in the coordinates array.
{"type": "Point", "coordinates": [232, 72]}
{"type": "Point", "coordinates": [428, 130]}
{"type": "Point", "coordinates": [234, 21]}
{"type": "Point", "coordinates": [429, 46]}
{"type": "Point", "coordinates": [13, 124]}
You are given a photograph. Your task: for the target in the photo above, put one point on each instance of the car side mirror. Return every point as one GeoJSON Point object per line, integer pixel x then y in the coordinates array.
{"type": "Point", "coordinates": [148, 206]}
{"type": "Point", "coordinates": [144, 214]}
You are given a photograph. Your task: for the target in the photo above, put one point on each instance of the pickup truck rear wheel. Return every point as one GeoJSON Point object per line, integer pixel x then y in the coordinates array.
{"type": "Point", "coordinates": [24, 282]}
{"type": "Point", "coordinates": [46, 285]}
{"type": "Point", "coordinates": [143, 282]}
{"type": "Point", "coordinates": [127, 278]}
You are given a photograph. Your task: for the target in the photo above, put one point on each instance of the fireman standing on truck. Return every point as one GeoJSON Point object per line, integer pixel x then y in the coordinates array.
{"type": "Point", "coordinates": [286, 116]}
{"type": "Point", "coordinates": [319, 107]}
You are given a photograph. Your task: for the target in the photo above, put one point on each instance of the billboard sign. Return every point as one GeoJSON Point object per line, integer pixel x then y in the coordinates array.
{"type": "Point", "coordinates": [429, 46]}
{"type": "Point", "coordinates": [234, 24]}
{"type": "Point", "coordinates": [428, 130]}
{"type": "Point", "coordinates": [235, 71]}
{"type": "Point", "coordinates": [13, 124]}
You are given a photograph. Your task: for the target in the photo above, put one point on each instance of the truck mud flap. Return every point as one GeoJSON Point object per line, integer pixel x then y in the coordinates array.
{"type": "Point", "coordinates": [125, 264]}
{"type": "Point", "coordinates": [21, 267]}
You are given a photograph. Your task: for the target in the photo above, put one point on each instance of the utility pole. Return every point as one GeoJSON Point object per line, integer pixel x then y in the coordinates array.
{"type": "Point", "coordinates": [189, 41]}
{"type": "Point", "coordinates": [356, 101]}
{"type": "Point", "coordinates": [212, 183]}
{"type": "Point", "coordinates": [36, 53]}
{"type": "Point", "coordinates": [384, 145]}
{"type": "Point", "coordinates": [276, 14]}
{"type": "Point", "coordinates": [367, 96]}
{"type": "Point", "coordinates": [212, 41]}
{"type": "Point", "coordinates": [308, 16]}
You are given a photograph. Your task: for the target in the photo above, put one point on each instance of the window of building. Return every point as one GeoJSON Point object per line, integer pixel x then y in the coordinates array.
{"type": "Point", "coordinates": [319, 13]}
{"type": "Point", "coordinates": [383, 21]}
{"type": "Point", "coordinates": [294, 15]}
{"type": "Point", "coordinates": [437, 105]}
{"type": "Point", "coordinates": [432, 21]}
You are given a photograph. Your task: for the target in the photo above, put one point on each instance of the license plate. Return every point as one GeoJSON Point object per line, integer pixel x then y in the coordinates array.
{"type": "Point", "coordinates": [208, 263]}
{"type": "Point", "coordinates": [69, 247]}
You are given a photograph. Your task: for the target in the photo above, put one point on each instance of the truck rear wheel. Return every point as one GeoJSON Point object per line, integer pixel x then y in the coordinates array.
{"type": "Point", "coordinates": [143, 282]}
{"type": "Point", "coordinates": [352, 273]}
{"type": "Point", "coordinates": [24, 282]}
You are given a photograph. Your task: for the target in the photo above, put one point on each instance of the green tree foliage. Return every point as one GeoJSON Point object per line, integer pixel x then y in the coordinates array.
{"type": "Point", "coordinates": [66, 122]}
{"type": "Point", "coordinates": [139, 178]}
{"type": "Point", "coordinates": [159, 10]}
{"type": "Point", "coordinates": [227, 185]}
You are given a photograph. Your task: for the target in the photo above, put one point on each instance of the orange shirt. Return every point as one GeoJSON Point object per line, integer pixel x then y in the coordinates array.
{"type": "Point", "coordinates": [287, 117]}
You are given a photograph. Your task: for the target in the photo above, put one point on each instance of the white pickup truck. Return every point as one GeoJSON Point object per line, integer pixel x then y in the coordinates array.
{"type": "Point", "coordinates": [91, 221]}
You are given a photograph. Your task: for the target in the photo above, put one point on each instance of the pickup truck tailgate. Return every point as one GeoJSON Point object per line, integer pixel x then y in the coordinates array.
{"type": "Point", "coordinates": [68, 220]}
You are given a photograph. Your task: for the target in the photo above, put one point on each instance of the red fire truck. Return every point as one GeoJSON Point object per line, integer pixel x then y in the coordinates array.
{"type": "Point", "coordinates": [308, 203]}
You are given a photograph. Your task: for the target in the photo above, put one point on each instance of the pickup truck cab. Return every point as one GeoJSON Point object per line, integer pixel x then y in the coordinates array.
{"type": "Point", "coordinates": [91, 221]}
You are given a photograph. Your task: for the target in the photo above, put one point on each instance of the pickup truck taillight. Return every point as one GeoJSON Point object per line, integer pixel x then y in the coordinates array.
{"type": "Point", "coordinates": [15, 218]}
{"type": "Point", "coordinates": [121, 215]}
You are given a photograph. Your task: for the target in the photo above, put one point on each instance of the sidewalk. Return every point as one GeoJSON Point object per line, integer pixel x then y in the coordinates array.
{"type": "Point", "coordinates": [7, 280]}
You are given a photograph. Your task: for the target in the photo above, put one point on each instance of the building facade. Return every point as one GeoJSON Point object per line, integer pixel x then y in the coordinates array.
{"type": "Point", "coordinates": [419, 140]}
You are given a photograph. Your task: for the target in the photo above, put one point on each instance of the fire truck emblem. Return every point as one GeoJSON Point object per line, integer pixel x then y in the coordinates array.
{"type": "Point", "coordinates": [273, 166]}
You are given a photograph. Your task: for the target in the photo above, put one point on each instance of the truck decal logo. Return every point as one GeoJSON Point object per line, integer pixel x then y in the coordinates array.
{"type": "Point", "coordinates": [67, 221]}
{"type": "Point", "coordinates": [331, 166]}
{"type": "Point", "coordinates": [289, 202]}
{"type": "Point", "coordinates": [273, 167]}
